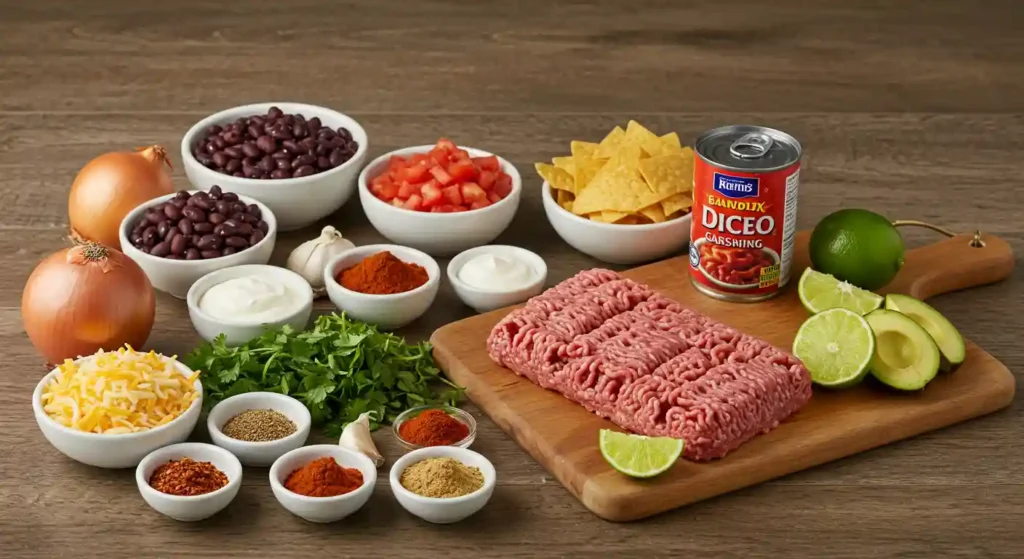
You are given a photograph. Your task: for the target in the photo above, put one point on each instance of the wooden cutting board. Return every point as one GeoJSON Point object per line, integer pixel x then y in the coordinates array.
{"type": "Point", "coordinates": [562, 436]}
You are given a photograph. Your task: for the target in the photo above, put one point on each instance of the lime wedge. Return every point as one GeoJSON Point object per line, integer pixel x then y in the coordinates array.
{"type": "Point", "coordinates": [836, 347]}
{"type": "Point", "coordinates": [637, 455]}
{"type": "Point", "coordinates": [820, 292]}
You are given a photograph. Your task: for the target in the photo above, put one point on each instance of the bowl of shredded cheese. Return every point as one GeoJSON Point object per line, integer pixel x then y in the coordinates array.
{"type": "Point", "coordinates": [113, 408]}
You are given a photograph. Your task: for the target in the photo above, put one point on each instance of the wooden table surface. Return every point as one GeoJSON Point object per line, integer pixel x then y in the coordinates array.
{"type": "Point", "coordinates": [914, 109]}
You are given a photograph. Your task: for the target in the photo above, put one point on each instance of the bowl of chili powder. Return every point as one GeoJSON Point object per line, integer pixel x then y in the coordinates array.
{"type": "Point", "coordinates": [438, 425]}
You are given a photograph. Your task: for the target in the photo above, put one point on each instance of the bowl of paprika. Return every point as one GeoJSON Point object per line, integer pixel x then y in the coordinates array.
{"type": "Point", "coordinates": [439, 425]}
{"type": "Point", "coordinates": [322, 483]}
{"type": "Point", "coordinates": [386, 285]}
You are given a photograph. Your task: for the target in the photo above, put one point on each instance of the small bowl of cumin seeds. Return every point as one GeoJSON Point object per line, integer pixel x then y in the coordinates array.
{"type": "Point", "coordinates": [259, 427]}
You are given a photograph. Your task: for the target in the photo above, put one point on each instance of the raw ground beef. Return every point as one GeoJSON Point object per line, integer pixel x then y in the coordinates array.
{"type": "Point", "coordinates": [652, 366]}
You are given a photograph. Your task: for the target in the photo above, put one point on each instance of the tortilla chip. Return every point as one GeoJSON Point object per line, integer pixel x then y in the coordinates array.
{"type": "Point", "coordinates": [671, 141]}
{"type": "Point", "coordinates": [650, 143]}
{"type": "Point", "coordinates": [566, 205]}
{"type": "Point", "coordinates": [618, 186]}
{"type": "Point", "coordinates": [608, 217]}
{"type": "Point", "coordinates": [610, 144]}
{"type": "Point", "coordinates": [654, 213]}
{"type": "Point", "coordinates": [557, 178]}
{"type": "Point", "coordinates": [676, 203]}
{"type": "Point", "coordinates": [561, 196]}
{"type": "Point", "coordinates": [565, 163]}
{"type": "Point", "coordinates": [669, 174]}
{"type": "Point", "coordinates": [585, 169]}
{"type": "Point", "coordinates": [583, 149]}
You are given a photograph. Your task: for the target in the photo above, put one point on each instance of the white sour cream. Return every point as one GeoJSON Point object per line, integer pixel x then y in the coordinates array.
{"type": "Point", "coordinates": [250, 299]}
{"type": "Point", "coordinates": [490, 272]}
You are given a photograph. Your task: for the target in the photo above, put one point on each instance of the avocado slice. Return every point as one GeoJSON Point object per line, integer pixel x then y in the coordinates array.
{"type": "Point", "coordinates": [946, 336]}
{"type": "Point", "coordinates": [906, 357]}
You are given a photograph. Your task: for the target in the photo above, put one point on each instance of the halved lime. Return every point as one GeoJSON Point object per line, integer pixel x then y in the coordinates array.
{"type": "Point", "coordinates": [637, 455]}
{"type": "Point", "coordinates": [820, 292]}
{"type": "Point", "coordinates": [836, 347]}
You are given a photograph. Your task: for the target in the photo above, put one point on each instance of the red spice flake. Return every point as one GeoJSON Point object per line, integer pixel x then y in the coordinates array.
{"type": "Point", "coordinates": [383, 274]}
{"type": "Point", "coordinates": [323, 477]}
{"type": "Point", "coordinates": [433, 427]}
{"type": "Point", "coordinates": [186, 478]}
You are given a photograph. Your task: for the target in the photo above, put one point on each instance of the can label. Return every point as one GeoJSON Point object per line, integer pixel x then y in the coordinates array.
{"type": "Point", "coordinates": [744, 222]}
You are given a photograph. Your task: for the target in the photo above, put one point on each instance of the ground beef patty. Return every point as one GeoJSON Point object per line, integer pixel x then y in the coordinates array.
{"type": "Point", "coordinates": [652, 366]}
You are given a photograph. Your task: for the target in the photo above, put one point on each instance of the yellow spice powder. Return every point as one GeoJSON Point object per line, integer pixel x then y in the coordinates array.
{"type": "Point", "coordinates": [441, 478]}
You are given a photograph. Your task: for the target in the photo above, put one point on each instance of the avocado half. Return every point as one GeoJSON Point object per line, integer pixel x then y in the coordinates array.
{"type": "Point", "coordinates": [946, 336]}
{"type": "Point", "coordinates": [906, 357]}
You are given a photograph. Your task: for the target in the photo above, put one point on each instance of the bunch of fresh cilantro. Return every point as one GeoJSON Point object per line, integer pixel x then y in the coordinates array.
{"type": "Point", "coordinates": [339, 369]}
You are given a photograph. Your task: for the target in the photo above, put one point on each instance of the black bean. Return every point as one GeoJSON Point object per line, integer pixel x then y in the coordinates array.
{"type": "Point", "coordinates": [172, 232]}
{"type": "Point", "coordinates": [266, 144]}
{"type": "Point", "coordinates": [178, 244]}
{"type": "Point", "coordinates": [256, 237]}
{"type": "Point", "coordinates": [155, 217]}
{"type": "Point", "coordinates": [211, 148]}
{"type": "Point", "coordinates": [344, 133]}
{"type": "Point", "coordinates": [304, 171]}
{"type": "Point", "coordinates": [192, 254]}
{"type": "Point", "coordinates": [196, 215]}
{"type": "Point", "coordinates": [275, 112]}
{"type": "Point", "coordinates": [237, 242]}
{"type": "Point", "coordinates": [304, 159]}
{"type": "Point", "coordinates": [219, 143]}
{"type": "Point", "coordinates": [204, 159]}
{"type": "Point", "coordinates": [281, 154]}
{"type": "Point", "coordinates": [299, 130]}
{"type": "Point", "coordinates": [262, 226]}
{"type": "Point", "coordinates": [232, 166]}
{"type": "Point", "coordinates": [231, 138]}
{"type": "Point", "coordinates": [229, 197]}
{"type": "Point", "coordinates": [325, 134]}
{"type": "Point", "coordinates": [238, 207]}
{"type": "Point", "coordinates": [292, 146]}
{"type": "Point", "coordinates": [160, 249]}
{"type": "Point", "coordinates": [162, 228]}
{"type": "Point", "coordinates": [185, 226]}
{"type": "Point", "coordinates": [220, 159]}
{"type": "Point", "coordinates": [238, 174]}
{"type": "Point", "coordinates": [208, 242]}
{"type": "Point", "coordinates": [283, 164]}
{"type": "Point", "coordinates": [250, 149]}
{"type": "Point", "coordinates": [216, 218]}
{"type": "Point", "coordinates": [193, 240]}
{"type": "Point", "coordinates": [314, 124]}
{"type": "Point", "coordinates": [266, 164]}
{"type": "Point", "coordinates": [218, 229]}
{"type": "Point", "coordinates": [213, 130]}
{"type": "Point", "coordinates": [223, 207]}
{"type": "Point", "coordinates": [173, 257]}
{"type": "Point", "coordinates": [336, 158]}
{"type": "Point", "coordinates": [323, 149]}
{"type": "Point", "coordinates": [208, 254]}
{"type": "Point", "coordinates": [253, 130]}
{"type": "Point", "coordinates": [182, 195]}
{"type": "Point", "coordinates": [234, 152]}
{"type": "Point", "coordinates": [254, 210]}
{"type": "Point", "coordinates": [244, 229]}
{"type": "Point", "coordinates": [136, 239]}
{"type": "Point", "coordinates": [323, 163]}
{"type": "Point", "coordinates": [203, 227]}
{"type": "Point", "coordinates": [279, 174]}
{"type": "Point", "coordinates": [248, 218]}
{"type": "Point", "coordinates": [228, 250]}
{"type": "Point", "coordinates": [172, 212]}
{"type": "Point", "coordinates": [281, 132]}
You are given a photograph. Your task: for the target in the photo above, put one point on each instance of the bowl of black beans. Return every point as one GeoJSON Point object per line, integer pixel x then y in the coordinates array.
{"type": "Point", "coordinates": [179, 238]}
{"type": "Point", "coordinates": [300, 160]}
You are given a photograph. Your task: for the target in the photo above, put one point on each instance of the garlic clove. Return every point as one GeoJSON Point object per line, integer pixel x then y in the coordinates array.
{"type": "Point", "coordinates": [309, 259]}
{"type": "Point", "coordinates": [356, 436]}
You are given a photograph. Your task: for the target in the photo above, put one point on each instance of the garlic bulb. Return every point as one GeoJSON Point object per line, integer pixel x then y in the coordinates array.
{"type": "Point", "coordinates": [309, 258]}
{"type": "Point", "coordinates": [356, 436]}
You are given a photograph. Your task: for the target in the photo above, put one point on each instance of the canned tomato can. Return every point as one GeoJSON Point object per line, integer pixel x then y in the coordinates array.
{"type": "Point", "coordinates": [745, 183]}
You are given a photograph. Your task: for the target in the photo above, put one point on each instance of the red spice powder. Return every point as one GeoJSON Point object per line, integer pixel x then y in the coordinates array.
{"type": "Point", "coordinates": [383, 274]}
{"type": "Point", "coordinates": [433, 428]}
{"type": "Point", "coordinates": [324, 477]}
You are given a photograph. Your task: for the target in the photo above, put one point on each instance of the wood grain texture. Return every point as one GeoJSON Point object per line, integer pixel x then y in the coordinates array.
{"type": "Point", "coordinates": [562, 435]}
{"type": "Point", "coordinates": [915, 109]}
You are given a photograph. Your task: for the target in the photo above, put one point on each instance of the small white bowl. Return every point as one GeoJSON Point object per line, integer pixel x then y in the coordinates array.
{"type": "Point", "coordinates": [194, 507]}
{"type": "Point", "coordinates": [177, 276]}
{"type": "Point", "coordinates": [386, 311]}
{"type": "Point", "coordinates": [483, 300]}
{"type": "Point", "coordinates": [439, 234]}
{"type": "Point", "coordinates": [437, 510]}
{"type": "Point", "coordinates": [115, 451]}
{"type": "Point", "coordinates": [296, 202]}
{"type": "Point", "coordinates": [237, 331]}
{"type": "Point", "coordinates": [322, 509]}
{"type": "Point", "coordinates": [617, 243]}
{"type": "Point", "coordinates": [259, 454]}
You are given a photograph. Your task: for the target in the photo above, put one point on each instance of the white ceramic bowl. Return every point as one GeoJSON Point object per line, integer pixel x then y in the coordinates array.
{"type": "Point", "coordinates": [296, 202]}
{"type": "Point", "coordinates": [484, 300]}
{"type": "Point", "coordinates": [238, 331]}
{"type": "Point", "coordinates": [259, 454]}
{"type": "Point", "coordinates": [443, 511]}
{"type": "Point", "coordinates": [177, 276]}
{"type": "Point", "coordinates": [439, 234]}
{"type": "Point", "coordinates": [114, 451]}
{"type": "Point", "coordinates": [322, 509]}
{"type": "Point", "coordinates": [617, 243]}
{"type": "Point", "coordinates": [386, 311]}
{"type": "Point", "coordinates": [194, 507]}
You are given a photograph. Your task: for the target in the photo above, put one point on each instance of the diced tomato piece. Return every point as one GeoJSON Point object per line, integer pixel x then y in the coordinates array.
{"type": "Point", "coordinates": [486, 179]}
{"type": "Point", "coordinates": [431, 193]}
{"type": "Point", "coordinates": [471, 192]}
{"type": "Point", "coordinates": [453, 194]}
{"type": "Point", "coordinates": [459, 153]}
{"type": "Point", "coordinates": [389, 191]}
{"type": "Point", "coordinates": [462, 170]}
{"type": "Point", "coordinates": [460, 208]}
{"type": "Point", "coordinates": [440, 175]}
{"type": "Point", "coordinates": [503, 185]}
{"type": "Point", "coordinates": [444, 144]}
{"type": "Point", "coordinates": [417, 159]}
{"type": "Point", "coordinates": [479, 204]}
{"type": "Point", "coordinates": [438, 157]}
{"type": "Point", "coordinates": [489, 163]}
{"type": "Point", "coordinates": [405, 190]}
{"type": "Point", "coordinates": [443, 208]}
{"type": "Point", "coordinates": [398, 202]}
{"type": "Point", "coordinates": [414, 203]}
{"type": "Point", "coordinates": [396, 162]}
{"type": "Point", "coordinates": [493, 197]}
{"type": "Point", "coordinates": [415, 173]}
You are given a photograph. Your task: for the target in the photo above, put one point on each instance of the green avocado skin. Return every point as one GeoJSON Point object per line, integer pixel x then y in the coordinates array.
{"type": "Point", "coordinates": [946, 336]}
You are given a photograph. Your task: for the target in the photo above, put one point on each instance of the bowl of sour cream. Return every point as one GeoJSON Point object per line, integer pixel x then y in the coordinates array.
{"type": "Point", "coordinates": [495, 276]}
{"type": "Point", "coordinates": [243, 301]}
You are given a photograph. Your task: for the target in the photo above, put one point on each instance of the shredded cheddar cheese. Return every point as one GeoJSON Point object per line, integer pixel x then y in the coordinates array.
{"type": "Point", "coordinates": [119, 392]}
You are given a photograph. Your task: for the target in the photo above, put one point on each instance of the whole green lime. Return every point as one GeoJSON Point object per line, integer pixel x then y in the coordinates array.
{"type": "Point", "coordinates": [857, 246]}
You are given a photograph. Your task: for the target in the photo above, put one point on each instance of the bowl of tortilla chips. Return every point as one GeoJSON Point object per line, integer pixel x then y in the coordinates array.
{"type": "Point", "coordinates": [625, 200]}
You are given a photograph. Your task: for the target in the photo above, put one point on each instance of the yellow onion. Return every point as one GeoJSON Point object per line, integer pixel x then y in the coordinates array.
{"type": "Point", "coordinates": [86, 298]}
{"type": "Point", "coordinates": [112, 185]}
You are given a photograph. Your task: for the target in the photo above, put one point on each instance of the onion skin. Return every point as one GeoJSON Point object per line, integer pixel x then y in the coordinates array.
{"type": "Point", "coordinates": [113, 184]}
{"type": "Point", "coordinates": [76, 303]}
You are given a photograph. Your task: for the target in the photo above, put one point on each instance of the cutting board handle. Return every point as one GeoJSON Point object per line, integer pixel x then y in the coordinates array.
{"type": "Point", "coordinates": [953, 264]}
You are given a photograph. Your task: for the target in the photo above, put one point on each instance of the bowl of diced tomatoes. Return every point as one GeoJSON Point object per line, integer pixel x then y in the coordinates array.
{"type": "Point", "coordinates": [441, 199]}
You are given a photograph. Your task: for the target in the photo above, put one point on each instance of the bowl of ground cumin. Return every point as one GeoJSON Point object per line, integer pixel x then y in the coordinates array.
{"type": "Point", "coordinates": [443, 484]}
{"type": "Point", "coordinates": [386, 285]}
{"type": "Point", "coordinates": [189, 481]}
{"type": "Point", "coordinates": [259, 427]}
{"type": "Point", "coordinates": [322, 483]}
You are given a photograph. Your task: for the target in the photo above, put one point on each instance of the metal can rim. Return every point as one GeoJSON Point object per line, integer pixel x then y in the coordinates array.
{"type": "Point", "coordinates": [775, 133]}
